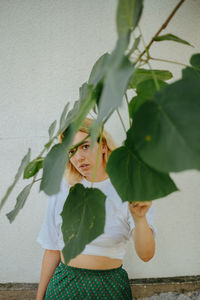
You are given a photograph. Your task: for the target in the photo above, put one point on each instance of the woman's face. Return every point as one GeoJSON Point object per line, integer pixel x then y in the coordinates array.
{"type": "Point", "coordinates": [84, 159]}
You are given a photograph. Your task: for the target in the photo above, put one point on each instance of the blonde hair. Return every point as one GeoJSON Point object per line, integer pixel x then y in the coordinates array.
{"type": "Point", "coordinates": [71, 173]}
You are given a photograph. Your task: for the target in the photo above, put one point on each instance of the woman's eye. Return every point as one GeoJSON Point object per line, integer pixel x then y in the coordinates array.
{"type": "Point", "coordinates": [86, 146]}
{"type": "Point", "coordinates": [70, 152]}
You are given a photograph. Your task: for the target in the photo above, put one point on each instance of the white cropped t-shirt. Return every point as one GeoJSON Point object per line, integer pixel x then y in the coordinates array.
{"type": "Point", "coordinates": [118, 222]}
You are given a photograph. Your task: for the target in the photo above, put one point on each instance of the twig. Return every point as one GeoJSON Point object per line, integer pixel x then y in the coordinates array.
{"type": "Point", "coordinates": [168, 61]}
{"type": "Point", "coordinates": [148, 56]}
{"type": "Point", "coordinates": [121, 120]}
{"type": "Point", "coordinates": [162, 27]}
{"type": "Point", "coordinates": [126, 97]}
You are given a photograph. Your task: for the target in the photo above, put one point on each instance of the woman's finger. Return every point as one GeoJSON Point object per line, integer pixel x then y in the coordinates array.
{"type": "Point", "coordinates": [135, 204]}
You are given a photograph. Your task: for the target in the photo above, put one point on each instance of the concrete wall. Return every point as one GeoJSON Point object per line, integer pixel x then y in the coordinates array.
{"type": "Point", "coordinates": [47, 49]}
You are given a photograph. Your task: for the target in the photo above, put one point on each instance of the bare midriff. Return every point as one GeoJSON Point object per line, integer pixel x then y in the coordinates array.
{"type": "Point", "coordinates": [94, 262]}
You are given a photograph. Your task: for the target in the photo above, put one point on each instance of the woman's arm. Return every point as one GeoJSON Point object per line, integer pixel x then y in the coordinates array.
{"type": "Point", "coordinates": [50, 261]}
{"type": "Point", "coordinates": [142, 234]}
{"type": "Point", "coordinates": [143, 239]}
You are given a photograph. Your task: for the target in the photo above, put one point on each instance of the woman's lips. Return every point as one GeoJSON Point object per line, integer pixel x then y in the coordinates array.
{"type": "Point", "coordinates": [85, 166]}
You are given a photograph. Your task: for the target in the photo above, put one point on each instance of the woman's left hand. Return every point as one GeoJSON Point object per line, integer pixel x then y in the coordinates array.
{"type": "Point", "coordinates": [139, 209]}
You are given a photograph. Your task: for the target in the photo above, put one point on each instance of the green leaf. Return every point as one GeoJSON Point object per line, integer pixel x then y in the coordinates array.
{"type": "Point", "coordinates": [55, 163]}
{"type": "Point", "coordinates": [81, 107]}
{"type": "Point", "coordinates": [21, 199]}
{"type": "Point", "coordinates": [143, 74]}
{"type": "Point", "coordinates": [135, 45]}
{"type": "Point", "coordinates": [134, 104]}
{"type": "Point", "coordinates": [63, 117]}
{"type": "Point", "coordinates": [146, 89]}
{"type": "Point", "coordinates": [56, 160]}
{"type": "Point", "coordinates": [98, 70]}
{"type": "Point", "coordinates": [119, 71]}
{"type": "Point", "coordinates": [165, 131]}
{"type": "Point", "coordinates": [83, 220]}
{"type": "Point", "coordinates": [128, 15]}
{"type": "Point", "coordinates": [71, 115]}
{"type": "Point", "coordinates": [133, 179]}
{"type": "Point", "coordinates": [171, 37]}
{"type": "Point", "coordinates": [48, 144]}
{"type": "Point", "coordinates": [52, 129]}
{"type": "Point", "coordinates": [87, 102]}
{"type": "Point", "coordinates": [33, 167]}
{"type": "Point", "coordinates": [20, 170]}
{"type": "Point", "coordinates": [195, 60]}
{"type": "Point", "coordinates": [96, 94]}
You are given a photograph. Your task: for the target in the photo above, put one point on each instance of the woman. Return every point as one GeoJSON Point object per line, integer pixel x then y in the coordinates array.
{"type": "Point", "coordinates": [97, 272]}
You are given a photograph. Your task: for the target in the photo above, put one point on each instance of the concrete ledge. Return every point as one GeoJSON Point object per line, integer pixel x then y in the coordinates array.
{"type": "Point", "coordinates": [151, 286]}
{"type": "Point", "coordinates": [141, 288]}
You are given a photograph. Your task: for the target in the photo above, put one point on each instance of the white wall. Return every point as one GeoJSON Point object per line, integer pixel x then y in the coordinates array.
{"type": "Point", "coordinates": [47, 49]}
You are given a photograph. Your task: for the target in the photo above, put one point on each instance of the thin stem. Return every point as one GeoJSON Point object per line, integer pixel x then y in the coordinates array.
{"type": "Point", "coordinates": [126, 97]}
{"type": "Point", "coordinates": [148, 55]}
{"type": "Point", "coordinates": [121, 120]}
{"type": "Point", "coordinates": [98, 154]}
{"type": "Point", "coordinates": [162, 27]}
{"type": "Point", "coordinates": [37, 179]}
{"type": "Point", "coordinates": [168, 61]}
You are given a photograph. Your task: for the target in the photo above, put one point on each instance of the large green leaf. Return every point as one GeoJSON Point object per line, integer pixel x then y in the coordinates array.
{"type": "Point", "coordinates": [143, 74]}
{"type": "Point", "coordinates": [87, 102]}
{"type": "Point", "coordinates": [134, 104]}
{"type": "Point", "coordinates": [81, 107]}
{"type": "Point", "coordinates": [66, 120]}
{"type": "Point", "coordinates": [21, 199]}
{"type": "Point", "coordinates": [165, 131]}
{"type": "Point", "coordinates": [171, 37]}
{"type": "Point", "coordinates": [118, 73]}
{"type": "Point", "coordinates": [98, 70]}
{"type": "Point", "coordinates": [55, 163]}
{"type": "Point", "coordinates": [96, 78]}
{"type": "Point", "coordinates": [133, 179]}
{"type": "Point", "coordinates": [195, 61]}
{"type": "Point", "coordinates": [83, 220]}
{"type": "Point", "coordinates": [63, 117]}
{"type": "Point", "coordinates": [146, 89]}
{"type": "Point", "coordinates": [97, 91]}
{"type": "Point", "coordinates": [20, 170]}
{"type": "Point", "coordinates": [128, 15]}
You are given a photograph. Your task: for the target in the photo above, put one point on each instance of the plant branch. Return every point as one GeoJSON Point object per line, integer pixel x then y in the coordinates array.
{"type": "Point", "coordinates": [126, 97]}
{"type": "Point", "coordinates": [169, 61]}
{"type": "Point", "coordinates": [148, 56]}
{"type": "Point", "coordinates": [121, 120]}
{"type": "Point", "coordinates": [162, 27]}
{"type": "Point", "coordinates": [38, 179]}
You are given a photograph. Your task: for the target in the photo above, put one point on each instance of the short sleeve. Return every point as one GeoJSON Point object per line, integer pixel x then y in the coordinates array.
{"type": "Point", "coordinates": [50, 235]}
{"type": "Point", "coordinates": [150, 220]}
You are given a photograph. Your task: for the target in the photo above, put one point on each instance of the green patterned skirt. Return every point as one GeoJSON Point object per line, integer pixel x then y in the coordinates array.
{"type": "Point", "coordinates": [77, 283]}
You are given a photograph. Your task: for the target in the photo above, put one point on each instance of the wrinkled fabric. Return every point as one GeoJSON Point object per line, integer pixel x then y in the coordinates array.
{"type": "Point", "coordinates": [77, 283]}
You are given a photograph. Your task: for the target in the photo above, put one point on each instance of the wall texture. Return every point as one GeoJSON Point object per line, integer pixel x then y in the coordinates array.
{"type": "Point", "coordinates": [47, 49]}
